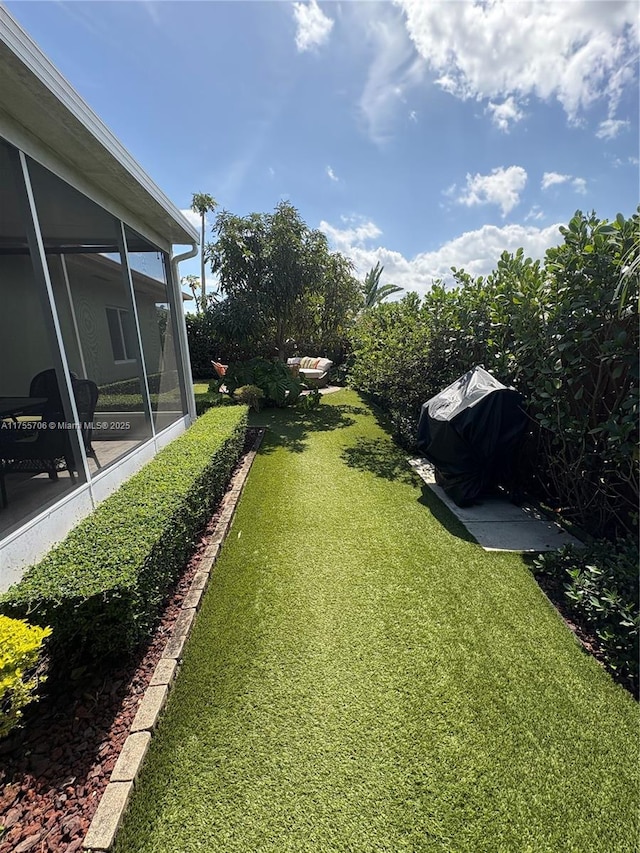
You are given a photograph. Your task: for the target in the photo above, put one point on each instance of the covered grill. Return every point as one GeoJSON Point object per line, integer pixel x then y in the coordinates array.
{"type": "Point", "coordinates": [471, 432]}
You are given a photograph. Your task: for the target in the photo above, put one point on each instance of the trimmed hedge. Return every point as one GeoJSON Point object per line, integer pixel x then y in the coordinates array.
{"type": "Point", "coordinates": [134, 386]}
{"type": "Point", "coordinates": [100, 589]}
{"type": "Point", "coordinates": [564, 332]}
{"type": "Point", "coordinates": [20, 648]}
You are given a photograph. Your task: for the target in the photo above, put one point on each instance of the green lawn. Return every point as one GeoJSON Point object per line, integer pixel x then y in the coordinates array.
{"type": "Point", "coordinates": [363, 677]}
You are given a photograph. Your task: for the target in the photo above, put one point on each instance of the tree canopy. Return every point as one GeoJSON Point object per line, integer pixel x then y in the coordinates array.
{"type": "Point", "coordinates": [280, 281]}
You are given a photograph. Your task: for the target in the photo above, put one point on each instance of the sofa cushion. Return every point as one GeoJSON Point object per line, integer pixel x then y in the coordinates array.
{"type": "Point", "coordinates": [311, 373]}
{"type": "Point", "coordinates": [324, 364]}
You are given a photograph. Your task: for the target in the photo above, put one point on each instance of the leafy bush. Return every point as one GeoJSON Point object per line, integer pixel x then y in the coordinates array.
{"type": "Point", "coordinates": [101, 588]}
{"type": "Point", "coordinates": [20, 648]}
{"type": "Point", "coordinates": [600, 588]}
{"type": "Point", "coordinates": [565, 333]}
{"type": "Point", "coordinates": [273, 378]}
{"type": "Point", "coordinates": [217, 334]}
{"type": "Point", "coordinates": [311, 400]}
{"type": "Point", "coordinates": [250, 395]}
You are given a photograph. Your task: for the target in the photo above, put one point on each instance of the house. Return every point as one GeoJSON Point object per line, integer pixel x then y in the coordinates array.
{"type": "Point", "coordinates": [89, 290]}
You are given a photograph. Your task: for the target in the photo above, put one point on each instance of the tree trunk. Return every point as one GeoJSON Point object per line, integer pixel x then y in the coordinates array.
{"type": "Point", "coordinates": [202, 284]}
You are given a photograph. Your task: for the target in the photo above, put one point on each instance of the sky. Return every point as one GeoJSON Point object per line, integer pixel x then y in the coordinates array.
{"type": "Point", "coordinates": [420, 134]}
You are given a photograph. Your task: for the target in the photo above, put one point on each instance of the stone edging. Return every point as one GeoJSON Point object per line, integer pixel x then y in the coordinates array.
{"type": "Point", "coordinates": [107, 819]}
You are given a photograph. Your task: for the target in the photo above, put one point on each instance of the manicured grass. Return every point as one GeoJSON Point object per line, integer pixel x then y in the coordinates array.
{"type": "Point", "coordinates": [362, 677]}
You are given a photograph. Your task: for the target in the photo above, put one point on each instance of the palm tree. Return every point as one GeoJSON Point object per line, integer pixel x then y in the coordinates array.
{"type": "Point", "coordinates": [374, 292]}
{"type": "Point", "coordinates": [203, 203]}
{"type": "Point", "coordinates": [193, 283]}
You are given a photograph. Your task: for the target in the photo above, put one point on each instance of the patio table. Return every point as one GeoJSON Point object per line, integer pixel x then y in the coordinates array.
{"type": "Point", "coordinates": [12, 407]}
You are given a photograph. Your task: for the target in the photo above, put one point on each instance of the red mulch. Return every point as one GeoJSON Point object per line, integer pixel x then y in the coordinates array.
{"type": "Point", "coordinates": [54, 769]}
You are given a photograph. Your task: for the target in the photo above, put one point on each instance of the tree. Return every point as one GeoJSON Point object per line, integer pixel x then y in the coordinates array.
{"type": "Point", "coordinates": [278, 278]}
{"type": "Point", "coordinates": [203, 203]}
{"type": "Point", "coordinates": [193, 283]}
{"type": "Point", "coordinates": [374, 292]}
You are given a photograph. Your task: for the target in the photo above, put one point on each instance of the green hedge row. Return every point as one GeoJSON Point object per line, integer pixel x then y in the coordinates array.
{"type": "Point", "coordinates": [564, 332]}
{"type": "Point", "coordinates": [20, 648]}
{"type": "Point", "coordinates": [133, 386]}
{"type": "Point", "coordinates": [100, 589]}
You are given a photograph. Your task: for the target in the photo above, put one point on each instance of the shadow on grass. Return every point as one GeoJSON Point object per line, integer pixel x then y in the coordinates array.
{"type": "Point", "coordinates": [290, 428]}
{"type": "Point", "coordinates": [380, 457]}
{"type": "Point", "coordinates": [443, 514]}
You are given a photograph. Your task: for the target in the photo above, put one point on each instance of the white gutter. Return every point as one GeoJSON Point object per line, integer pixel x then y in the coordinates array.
{"type": "Point", "coordinates": [182, 329]}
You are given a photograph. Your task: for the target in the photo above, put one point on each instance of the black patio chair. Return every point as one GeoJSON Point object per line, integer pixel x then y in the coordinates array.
{"type": "Point", "coordinates": [86, 394]}
{"type": "Point", "coordinates": [42, 446]}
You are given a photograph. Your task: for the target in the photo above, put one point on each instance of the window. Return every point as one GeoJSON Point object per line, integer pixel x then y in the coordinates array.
{"type": "Point", "coordinates": [121, 332]}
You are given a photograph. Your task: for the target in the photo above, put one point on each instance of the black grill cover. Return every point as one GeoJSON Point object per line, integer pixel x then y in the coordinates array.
{"type": "Point", "coordinates": [471, 433]}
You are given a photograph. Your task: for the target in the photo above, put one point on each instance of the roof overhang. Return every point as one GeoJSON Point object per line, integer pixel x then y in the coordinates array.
{"type": "Point", "coordinates": [53, 124]}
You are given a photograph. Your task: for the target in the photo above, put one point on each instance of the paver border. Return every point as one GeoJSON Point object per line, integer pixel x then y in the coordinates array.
{"type": "Point", "coordinates": [113, 803]}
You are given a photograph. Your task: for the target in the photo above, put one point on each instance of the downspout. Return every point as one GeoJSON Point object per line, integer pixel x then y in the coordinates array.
{"type": "Point", "coordinates": [182, 329]}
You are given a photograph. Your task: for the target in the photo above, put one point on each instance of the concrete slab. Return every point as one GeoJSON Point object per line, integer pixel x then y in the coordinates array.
{"type": "Point", "coordinates": [526, 537]}
{"type": "Point", "coordinates": [499, 525]}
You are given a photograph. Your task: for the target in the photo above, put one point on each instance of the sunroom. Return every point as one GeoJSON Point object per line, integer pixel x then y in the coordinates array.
{"type": "Point", "coordinates": [94, 367]}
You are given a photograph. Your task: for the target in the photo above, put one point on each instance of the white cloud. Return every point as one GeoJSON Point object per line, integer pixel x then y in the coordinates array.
{"type": "Point", "coordinates": [610, 128]}
{"type": "Point", "coordinates": [501, 187]}
{"type": "Point", "coordinates": [475, 251]}
{"type": "Point", "coordinates": [580, 185]}
{"type": "Point", "coordinates": [550, 179]}
{"type": "Point", "coordinates": [505, 114]}
{"type": "Point", "coordinates": [360, 231]}
{"type": "Point", "coordinates": [535, 214]}
{"type": "Point", "coordinates": [332, 174]}
{"type": "Point", "coordinates": [413, 116]}
{"type": "Point", "coordinates": [394, 69]}
{"type": "Point", "coordinates": [314, 26]}
{"type": "Point", "coordinates": [271, 171]}
{"type": "Point", "coordinates": [194, 218]}
{"type": "Point", "coordinates": [576, 52]}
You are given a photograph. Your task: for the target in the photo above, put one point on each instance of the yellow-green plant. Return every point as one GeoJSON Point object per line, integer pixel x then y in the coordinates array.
{"type": "Point", "coordinates": [20, 647]}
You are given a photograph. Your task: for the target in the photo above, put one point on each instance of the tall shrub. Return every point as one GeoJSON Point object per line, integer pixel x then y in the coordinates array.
{"type": "Point", "coordinates": [580, 371]}
{"type": "Point", "coordinates": [564, 332]}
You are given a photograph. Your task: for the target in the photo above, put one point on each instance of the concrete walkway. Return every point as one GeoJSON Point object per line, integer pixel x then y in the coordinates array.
{"type": "Point", "coordinates": [497, 524]}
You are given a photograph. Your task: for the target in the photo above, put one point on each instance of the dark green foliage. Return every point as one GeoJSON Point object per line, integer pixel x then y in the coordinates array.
{"type": "Point", "coordinates": [212, 337]}
{"type": "Point", "coordinates": [600, 588]}
{"type": "Point", "coordinates": [273, 378]}
{"type": "Point", "coordinates": [250, 395]}
{"type": "Point", "coordinates": [101, 588]}
{"type": "Point", "coordinates": [281, 284]}
{"type": "Point", "coordinates": [565, 333]}
{"type": "Point", "coordinates": [311, 401]}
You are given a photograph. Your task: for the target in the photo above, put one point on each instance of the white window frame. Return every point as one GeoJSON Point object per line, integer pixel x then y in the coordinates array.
{"type": "Point", "coordinates": [123, 341]}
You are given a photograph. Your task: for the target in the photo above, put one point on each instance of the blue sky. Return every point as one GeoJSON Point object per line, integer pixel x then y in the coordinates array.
{"type": "Point", "coordinates": [418, 134]}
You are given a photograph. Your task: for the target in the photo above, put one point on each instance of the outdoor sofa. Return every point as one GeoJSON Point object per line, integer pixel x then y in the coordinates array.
{"type": "Point", "coordinates": [312, 370]}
